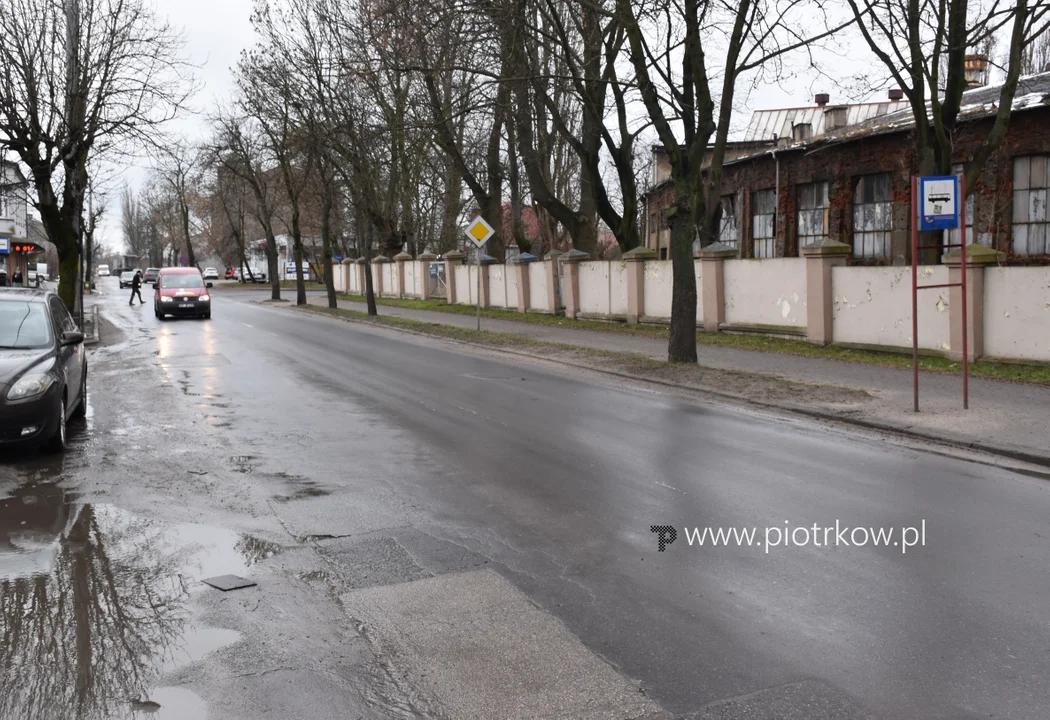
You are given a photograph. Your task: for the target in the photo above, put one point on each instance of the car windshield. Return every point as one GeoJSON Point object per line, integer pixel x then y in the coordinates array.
{"type": "Point", "coordinates": [183, 280]}
{"type": "Point", "coordinates": [23, 325]}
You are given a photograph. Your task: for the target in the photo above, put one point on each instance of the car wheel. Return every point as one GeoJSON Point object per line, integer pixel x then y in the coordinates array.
{"type": "Point", "coordinates": [57, 443]}
{"type": "Point", "coordinates": [81, 409]}
{"type": "Point", "coordinates": [207, 315]}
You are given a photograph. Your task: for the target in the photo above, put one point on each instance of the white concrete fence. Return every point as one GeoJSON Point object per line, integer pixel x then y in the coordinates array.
{"type": "Point", "coordinates": [816, 297]}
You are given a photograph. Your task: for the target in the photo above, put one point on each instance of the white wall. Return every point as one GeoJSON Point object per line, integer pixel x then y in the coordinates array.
{"type": "Point", "coordinates": [766, 292]}
{"type": "Point", "coordinates": [389, 271]}
{"type": "Point", "coordinates": [497, 285]}
{"type": "Point", "coordinates": [355, 280]}
{"type": "Point", "coordinates": [657, 289]}
{"type": "Point", "coordinates": [538, 287]}
{"type": "Point", "coordinates": [410, 289]}
{"type": "Point", "coordinates": [339, 277]}
{"type": "Point", "coordinates": [511, 287]}
{"type": "Point", "coordinates": [1017, 312]}
{"type": "Point", "coordinates": [697, 266]}
{"type": "Point", "coordinates": [594, 287]}
{"type": "Point", "coordinates": [464, 287]}
{"type": "Point", "coordinates": [872, 305]}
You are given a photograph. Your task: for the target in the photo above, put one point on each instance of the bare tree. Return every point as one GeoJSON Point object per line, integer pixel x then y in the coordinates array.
{"type": "Point", "coordinates": [675, 69]}
{"type": "Point", "coordinates": [80, 79]}
{"type": "Point", "coordinates": [178, 168]}
{"type": "Point", "coordinates": [923, 47]}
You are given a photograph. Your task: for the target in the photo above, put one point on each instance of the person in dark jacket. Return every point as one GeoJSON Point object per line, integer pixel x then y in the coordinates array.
{"type": "Point", "coordinates": [136, 288]}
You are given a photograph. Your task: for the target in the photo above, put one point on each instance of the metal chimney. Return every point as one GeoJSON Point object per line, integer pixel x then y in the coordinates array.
{"type": "Point", "coordinates": [822, 99]}
{"type": "Point", "coordinates": [896, 94]}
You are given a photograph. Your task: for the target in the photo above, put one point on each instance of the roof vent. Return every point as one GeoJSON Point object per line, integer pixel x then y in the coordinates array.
{"type": "Point", "coordinates": [822, 99]}
{"type": "Point", "coordinates": [976, 70]}
{"type": "Point", "coordinates": [896, 94]}
{"type": "Point", "coordinates": [802, 131]}
{"type": "Point", "coordinates": [836, 117]}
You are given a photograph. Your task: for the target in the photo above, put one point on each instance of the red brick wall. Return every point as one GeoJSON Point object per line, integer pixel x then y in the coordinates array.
{"type": "Point", "coordinates": [839, 165]}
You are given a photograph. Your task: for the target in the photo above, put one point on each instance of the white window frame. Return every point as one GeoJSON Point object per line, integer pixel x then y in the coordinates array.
{"type": "Point", "coordinates": [1031, 220]}
{"type": "Point", "coordinates": [764, 245]}
{"type": "Point", "coordinates": [728, 227]}
{"type": "Point", "coordinates": [808, 217]}
{"type": "Point", "coordinates": [872, 220]}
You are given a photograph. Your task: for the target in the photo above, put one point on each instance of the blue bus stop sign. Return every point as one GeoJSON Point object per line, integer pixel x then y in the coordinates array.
{"type": "Point", "coordinates": [938, 202]}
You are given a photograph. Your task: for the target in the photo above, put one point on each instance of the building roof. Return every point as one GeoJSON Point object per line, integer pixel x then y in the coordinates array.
{"type": "Point", "coordinates": [1033, 91]}
{"type": "Point", "coordinates": [776, 124]}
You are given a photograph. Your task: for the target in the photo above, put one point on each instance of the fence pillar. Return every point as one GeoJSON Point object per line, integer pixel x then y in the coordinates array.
{"type": "Point", "coordinates": [401, 258]}
{"type": "Point", "coordinates": [977, 257]}
{"type": "Point", "coordinates": [636, 281]}
{"type": "Point", "coordinates": [424, 274]}
{"type": "Point", "coordinates": [712, 283]}
{"type": "Point", "coordinates": [377, 263]}
{"type": "Point", "coordinates": [553, 274]}
{"type": "Point", "coordinates": [521, 270]}
{"type": "Point", "coordinates": [452, 259]}
{"type": "Point", "coordinates": [572, 260]}
{"type": "Point", "coordinates": [821, 256]}
{"type": "Point", "coordinates": [483, 268]}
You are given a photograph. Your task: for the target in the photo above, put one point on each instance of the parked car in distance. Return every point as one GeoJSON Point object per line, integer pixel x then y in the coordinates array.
{"type": "Point", "coordinates": [230, 274]}
{"type": "Point", "coordinates": [211, 274]}
{"type": "Point", "coordinates": [181, 292]}
{"type": "Point", "coordinates": [126, 278]}
{"type": "Point", "coordinates": [150, 276]}
{"type": "Point", "coordinates": [43, 369]}
{"type": "Point", "coordinates": [103, 270]}
{"type": "Point", "coordinates": [252, 272]}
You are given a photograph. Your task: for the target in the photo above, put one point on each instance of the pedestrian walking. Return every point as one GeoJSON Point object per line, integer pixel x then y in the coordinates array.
{"type": "Point", "coordinates": [136, 288]}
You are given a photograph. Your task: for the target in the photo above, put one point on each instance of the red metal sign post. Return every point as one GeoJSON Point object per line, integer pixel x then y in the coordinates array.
{"type": "Point", "coordinates": [915, 287]}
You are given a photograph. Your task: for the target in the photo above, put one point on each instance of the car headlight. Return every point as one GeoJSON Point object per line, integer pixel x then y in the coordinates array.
{"type": "Point", "coordinates": [35, 382]}
{"type": "Point", "coordinates": [204, 298]}
{"type": "Point", "coordinates": [167, 298]}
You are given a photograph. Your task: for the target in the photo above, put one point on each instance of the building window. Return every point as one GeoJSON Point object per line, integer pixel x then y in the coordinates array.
{"type": "Point", "coordinates": [813, 207]}
{"type": "Point", "coordinates": [952, 237]}
{"type": "Point", "coordinates": [663, 253]}
{"type": "Point", "coordinates": [727, 227]}
{"type": "Point", "coordinates": [4, 207]}
{"type": "Point", "coordinates": [763, 223]}
{"type": "Point", "coordinates": [872, 217]}
{"type": "Point", "coordinates": [1031, 181]}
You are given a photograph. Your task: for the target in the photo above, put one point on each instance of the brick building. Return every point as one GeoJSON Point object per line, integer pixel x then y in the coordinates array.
{"type": "Point", "coordinates": [844, 172]}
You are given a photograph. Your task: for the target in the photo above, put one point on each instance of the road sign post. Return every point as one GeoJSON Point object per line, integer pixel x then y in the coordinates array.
{"type": "Point", "coordinates": [478, 233]}
{"type": "Point", "coordinates": [938, 203]}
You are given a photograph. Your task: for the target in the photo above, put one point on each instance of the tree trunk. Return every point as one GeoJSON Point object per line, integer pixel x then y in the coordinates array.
{"type": "Point", "coordinates": [681, 346]}
{"type": "Point", "coordinates": [326, 241]}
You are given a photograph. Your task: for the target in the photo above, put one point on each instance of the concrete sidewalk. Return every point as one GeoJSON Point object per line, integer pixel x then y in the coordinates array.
{"type": "Point", "coordinates": [1011, 419]}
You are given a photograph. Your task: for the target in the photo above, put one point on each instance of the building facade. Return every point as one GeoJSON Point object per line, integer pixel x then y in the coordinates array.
{"type": "Point", "coordinates": [844, 172]}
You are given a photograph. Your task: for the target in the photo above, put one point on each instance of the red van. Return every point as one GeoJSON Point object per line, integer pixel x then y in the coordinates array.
{"type": "Point", "coordinates": [181, 291]}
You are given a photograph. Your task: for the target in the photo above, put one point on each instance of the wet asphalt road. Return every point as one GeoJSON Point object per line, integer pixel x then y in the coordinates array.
{"type": "Point", "coordinates": [320, 457]}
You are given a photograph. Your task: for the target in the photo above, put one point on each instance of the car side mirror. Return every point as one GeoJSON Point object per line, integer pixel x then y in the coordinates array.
{"type": "Point", "coordinates": [72, 338]}
{"type": "Point", "coordinates": [207, 285]}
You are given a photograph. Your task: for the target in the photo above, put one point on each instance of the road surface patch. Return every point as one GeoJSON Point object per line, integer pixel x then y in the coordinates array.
{"type": "Point", "coordinates": [478, 649]}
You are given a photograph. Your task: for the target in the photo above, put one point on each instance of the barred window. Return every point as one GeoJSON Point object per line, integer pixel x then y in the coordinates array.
{"type": "Point", "coordinates": [1031, 181]}
{"type": "Point", "coordinates": [872, 217]}
{"type": "Point", "coordinates": [813, 207]}
{"type": "Point", "coordinates": [763, 223]}
{"type": "Point", "coordinates": [728, 233]}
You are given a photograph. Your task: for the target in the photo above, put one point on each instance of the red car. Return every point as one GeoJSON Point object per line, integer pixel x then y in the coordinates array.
{"type": "Point", "coordinates": [181, 291]}
{"type": "Point", "coordinates": [230, 274]}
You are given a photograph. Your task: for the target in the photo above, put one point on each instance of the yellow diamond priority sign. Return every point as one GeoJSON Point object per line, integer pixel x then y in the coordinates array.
{"type": "Point", "coordinates": [479, 231]}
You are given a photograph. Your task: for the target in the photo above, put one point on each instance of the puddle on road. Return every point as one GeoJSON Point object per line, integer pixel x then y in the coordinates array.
{"type": "Point", "coordinates": [94, 606]}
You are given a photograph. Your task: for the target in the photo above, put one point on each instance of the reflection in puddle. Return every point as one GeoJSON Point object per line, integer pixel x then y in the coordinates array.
{"type": "Point", "coordinates": [93, 606]}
